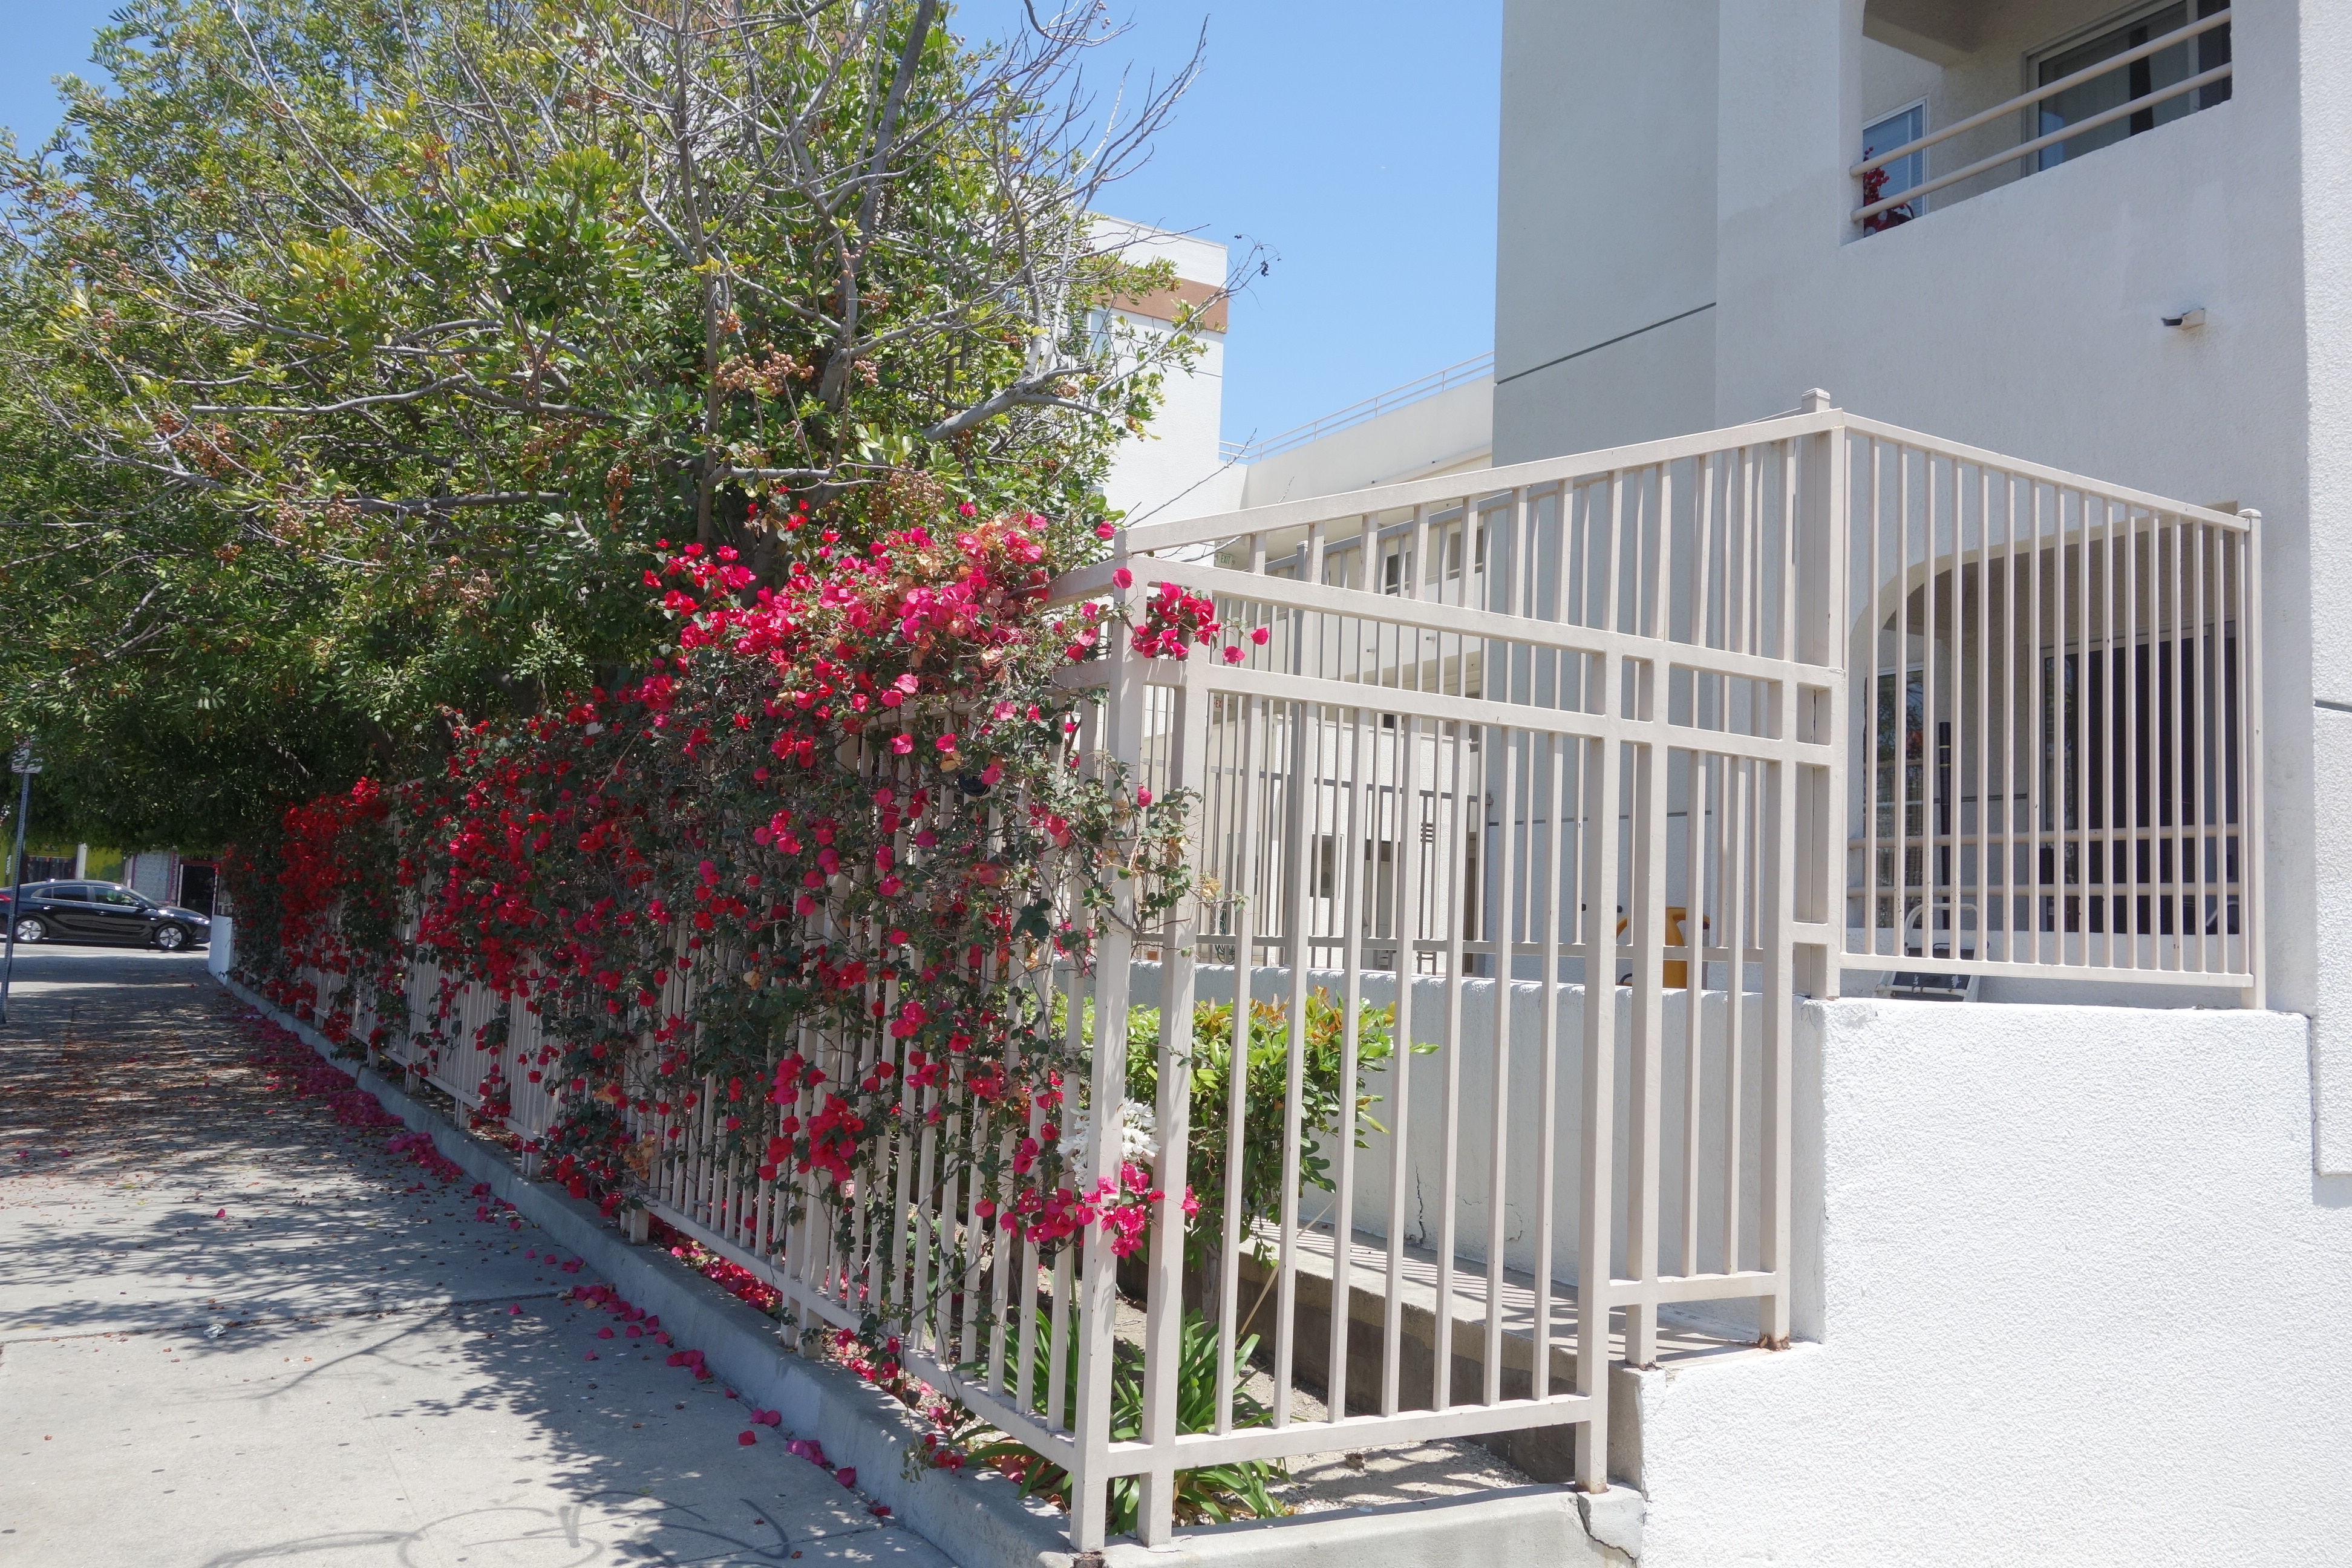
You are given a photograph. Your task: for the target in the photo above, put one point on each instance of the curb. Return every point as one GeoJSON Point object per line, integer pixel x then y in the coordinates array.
{"type": "Point", "coordinates": [981, 1521]}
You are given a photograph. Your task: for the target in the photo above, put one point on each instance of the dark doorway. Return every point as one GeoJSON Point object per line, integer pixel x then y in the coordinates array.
{"type": "Point", "coordinates": [196, 887]}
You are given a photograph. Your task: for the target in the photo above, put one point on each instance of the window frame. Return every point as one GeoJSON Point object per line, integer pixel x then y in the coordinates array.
{"type": "Point", "coordinates": [2114, 21]}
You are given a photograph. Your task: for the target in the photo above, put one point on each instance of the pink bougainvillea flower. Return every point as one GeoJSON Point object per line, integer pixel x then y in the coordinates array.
{"type": "Point", "coordinates": [590, 1356]}
{"type": "Point", "coordinates": [1104, 531]}
{"type": "Point", "coordinates": [514, 1312]}
{"type": "Point", "coordinates": [1258, 636]}
{"type": "Point", "coordinates": [220, 1214]}
{"type": "Point", "coordinates": [604, 1334]}
{"type": "Point", "coordinates": [902, 745]}
{"type": "Point", "coordinates": [846, 1475]}
{"type": "Point", "coordinates": [1121, 577]}
{"type": "Point", "coordinates": [746, 1438]}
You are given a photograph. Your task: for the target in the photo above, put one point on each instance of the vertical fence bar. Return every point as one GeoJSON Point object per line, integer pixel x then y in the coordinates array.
{"type": "Point", "coordinates": [1114, 949]}
{"type": "Point", "coordinates": [1596, 1211]}
{"type": "Point", "coordinates": [1547, 1043]}
{"type": "Point", "coordinates": [1361, 816]}
{"type": "Point", "coordinates": [1453, 841]}
{"type": "Point", "coordinates": [1305, 744]}
{"type": "Point", "coordinates": [1651, 765]}
{"type": "Point", "coordinates": [1506, 750]}
{"type": "Point", "coordinates": [2249, 725]}
{"type": "Point", "coordinates": [1408, 963]}
{"type": "Point", "coordinates": [1255, 715]}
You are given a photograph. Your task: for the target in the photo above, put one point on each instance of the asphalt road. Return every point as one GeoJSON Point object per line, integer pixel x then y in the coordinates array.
{"type": "Point", "coordinates": [234, 1331]}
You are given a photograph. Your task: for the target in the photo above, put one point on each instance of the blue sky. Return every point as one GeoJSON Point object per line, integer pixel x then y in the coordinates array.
{"type": "Point", "coordinates": [1355, 141]}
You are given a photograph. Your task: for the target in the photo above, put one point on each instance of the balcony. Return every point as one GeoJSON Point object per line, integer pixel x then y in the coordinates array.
{"type": "Point", "coordinates": [1932, 137]}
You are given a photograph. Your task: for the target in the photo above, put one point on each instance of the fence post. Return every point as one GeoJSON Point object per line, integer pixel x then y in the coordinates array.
{"type": "Point", "coordinates": [1825, 572]}
{"type": "Point", "coordinates": [2250, 835]}
{"type": "Point", "coordinates": [1776, 1160]}
{"type": "Point", "coordinates": [1114, 950]}
{"type": "Point", "coordinates": [1165, 1324]}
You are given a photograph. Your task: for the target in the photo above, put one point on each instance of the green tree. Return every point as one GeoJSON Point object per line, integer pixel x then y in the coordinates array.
{"type": "Point", "coordinates": [355, 354]}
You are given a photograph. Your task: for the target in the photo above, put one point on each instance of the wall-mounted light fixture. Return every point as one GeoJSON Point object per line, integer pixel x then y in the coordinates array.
{"type": "Point", "coordinates": [2190, 318]}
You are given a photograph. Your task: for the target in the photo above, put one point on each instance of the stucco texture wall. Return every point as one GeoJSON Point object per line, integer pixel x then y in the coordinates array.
{"type": "Point", "coordinates": [1606, 223]}
{"type": "Point", "coordinates": [2084, 1302]}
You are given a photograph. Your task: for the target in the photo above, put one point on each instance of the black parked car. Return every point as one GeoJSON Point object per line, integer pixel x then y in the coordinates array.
{"type": "Point", "coordinates": [103, 911]}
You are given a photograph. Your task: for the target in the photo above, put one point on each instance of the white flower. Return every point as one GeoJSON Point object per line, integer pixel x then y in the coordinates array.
{"type": "Point", "coordinates": [1137, 1143]}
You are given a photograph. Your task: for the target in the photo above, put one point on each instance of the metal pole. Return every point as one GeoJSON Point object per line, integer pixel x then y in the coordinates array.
{"type": "Point", "coordinates": [25, 767]}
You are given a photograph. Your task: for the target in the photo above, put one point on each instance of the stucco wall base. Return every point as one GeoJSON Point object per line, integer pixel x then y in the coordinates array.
{"type": "Point", "coordinates": [2075, 1262]}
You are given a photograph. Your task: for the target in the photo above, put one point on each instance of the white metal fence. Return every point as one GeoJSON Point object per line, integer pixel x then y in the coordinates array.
{"type": "Point", "coordinates": [490, 1054]}
{"type": "Point", "coordinates": [2056, 721]}
{"type": "Point", "coordinates": [1570, 786]}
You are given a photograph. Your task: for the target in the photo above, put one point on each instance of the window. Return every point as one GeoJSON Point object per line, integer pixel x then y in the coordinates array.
{"type": "Point", "coordinates": [2136, 80]}
{"type": "Point", "coordinates": [73, 891]}
{"type": "Point", "coordinates": [1899, 129]}
{"type": "Point", "coordinates": [120, 898]}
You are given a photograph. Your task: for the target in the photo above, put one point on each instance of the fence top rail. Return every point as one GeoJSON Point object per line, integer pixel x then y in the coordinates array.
{"type": "Point", "coordinates": [1978, 456]}
{"type": "Point", "coordinates": [1493, 485]}
{"type": "Point", "coordinates": [1432, 615]}
{"type": "Point", "coordinates": [1483, 485]}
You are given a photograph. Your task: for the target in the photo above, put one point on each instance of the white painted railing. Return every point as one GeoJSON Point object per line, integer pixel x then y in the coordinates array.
{"type": "Point", "coordinates": [2197, 81]}
{"type": "Point", "coordinates": [490, 1054]}
{"type": "Point", "coordinates": [2055, 731]}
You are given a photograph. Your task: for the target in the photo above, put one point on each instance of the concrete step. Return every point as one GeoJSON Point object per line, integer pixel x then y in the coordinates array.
{"type": "Point", "coordinates": [1543, 1452]}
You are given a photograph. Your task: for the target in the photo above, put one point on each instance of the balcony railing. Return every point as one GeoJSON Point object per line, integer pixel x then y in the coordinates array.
{"type": "Point", "coordinates": [1871, 212]}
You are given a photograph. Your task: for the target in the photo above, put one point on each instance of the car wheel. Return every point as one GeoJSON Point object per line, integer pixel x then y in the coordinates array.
{"type": "Point", "coordinates": [171, 938]}
{"type": "Point", "coordinates": [31, 928]}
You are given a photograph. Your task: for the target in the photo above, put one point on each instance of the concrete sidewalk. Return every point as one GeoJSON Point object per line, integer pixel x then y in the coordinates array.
{"type": "Point", "coordinates": [233, 1330]}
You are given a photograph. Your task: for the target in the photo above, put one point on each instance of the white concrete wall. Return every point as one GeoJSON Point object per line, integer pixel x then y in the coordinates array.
{"type": "Point", "coordinates": [1446, 432]}
{"type": "Point", "coordinates": [2083, 1302]}
{"type": "Point", "coordinates": [2324, 561]}
{"type": "Point", "coordinates": [1606, 224]}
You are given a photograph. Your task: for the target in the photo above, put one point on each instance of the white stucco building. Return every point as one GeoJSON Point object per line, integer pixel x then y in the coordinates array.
{"type": "Point", "coordinates": [2163, 296]}
{"type": "Point", "coordinates": [1165, 470]}
{"type": "Point", "coordinates": [1440, 423]}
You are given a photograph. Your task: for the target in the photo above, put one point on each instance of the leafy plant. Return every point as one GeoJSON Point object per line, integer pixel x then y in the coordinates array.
{"type": "Point", "coordinates": [1324, 1098]}
{"type": "Point", "coordinates": [354, 358]}
{"type": "Point", "coordinates": [1210, 1495]}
